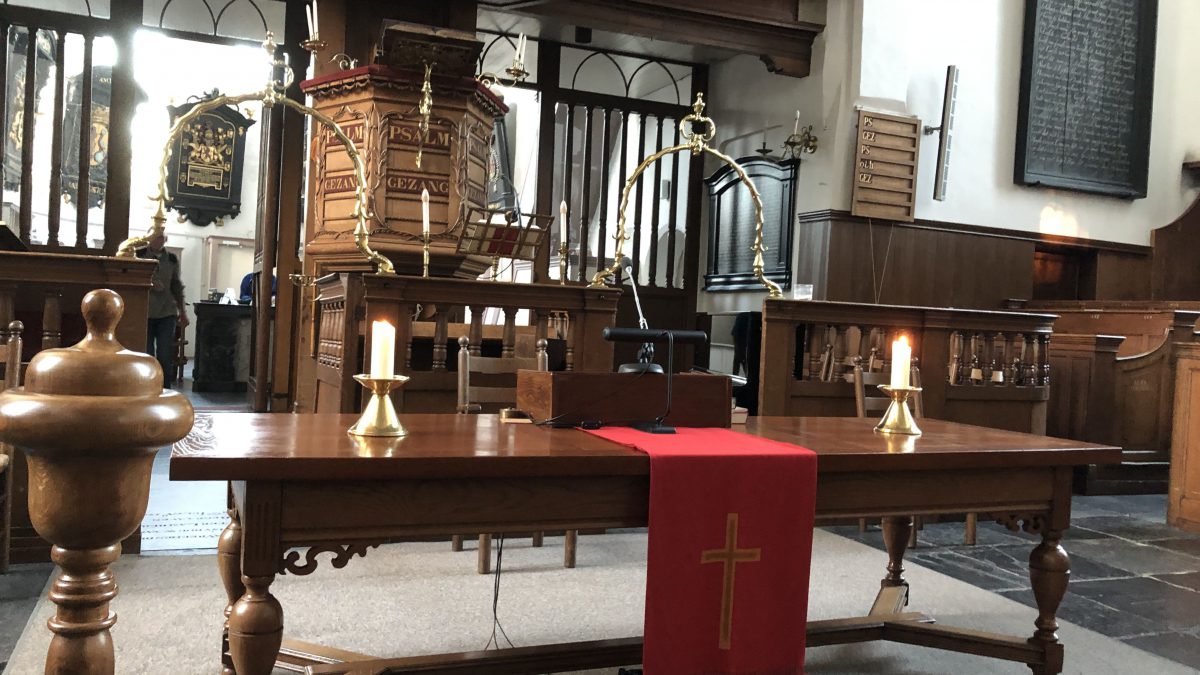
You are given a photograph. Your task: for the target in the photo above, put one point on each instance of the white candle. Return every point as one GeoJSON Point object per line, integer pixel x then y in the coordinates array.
{"type": "Point", "coordinates": [562, 228]}
{"type": "Point", "coordinates": [309, 17]}
{"type": "Point", "coordinates": [425, 212]}
{"type": "Point", "coordinates": [383, 349]}
{"type": "Point", "coordinates": [521, 48]}
{"type": "Point", "coordinates": [796, 125]}
{"type": "Point", "coordinates": [901, 362]}
{"type": "Point", "coordinates": [316, 24]}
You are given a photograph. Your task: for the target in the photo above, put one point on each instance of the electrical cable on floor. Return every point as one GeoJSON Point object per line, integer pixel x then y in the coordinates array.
{"type": "Point", "coordinates": [494, 641]}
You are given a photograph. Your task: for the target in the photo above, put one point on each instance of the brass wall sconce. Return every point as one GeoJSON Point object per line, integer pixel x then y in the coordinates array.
{"type": "Point", "coordinates": [803, 143]}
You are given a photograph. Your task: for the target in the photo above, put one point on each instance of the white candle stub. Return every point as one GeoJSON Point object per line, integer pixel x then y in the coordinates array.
{"type": "Point", "coordinates": [425, 212]}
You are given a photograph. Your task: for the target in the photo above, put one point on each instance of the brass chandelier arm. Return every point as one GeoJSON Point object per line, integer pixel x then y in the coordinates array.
{"type": "Point", "coordinates": [269, 96]}
{"type": "Point", "coordinates": [697, 142]}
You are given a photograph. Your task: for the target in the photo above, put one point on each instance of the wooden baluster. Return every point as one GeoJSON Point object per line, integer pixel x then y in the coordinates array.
{"type": "Point", "coordinates": [51, 321]}
{"type": "Point", "coordinates": [476, 334]}
{"type": "Point", "coordinates": [1044, 359]}
{"type": "Point", "coordinates": [999, 354]}
{"type": "Point", "coordinates": [570, 338]}
{"type": "Point", "coordinates": [464, 374]}
{"type": "Point", "coordinates": [508, 346]}
{"type": "Point", "coordinates": [816, 347]}
{"type": "Point", "coordinates": [440, 335]}
{"type": "Point", "coordinates": [1019, 360]}
{"type": "Point", "coordinates": [952, 374]}
{"type": "Point", "coordinates": [12, 365]}
{"type": "Point", "coordinates": [841, 349]}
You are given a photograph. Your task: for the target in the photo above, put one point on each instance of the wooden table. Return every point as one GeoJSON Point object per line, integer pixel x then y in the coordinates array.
{"type": "Point", "coordinates": [302, 486]}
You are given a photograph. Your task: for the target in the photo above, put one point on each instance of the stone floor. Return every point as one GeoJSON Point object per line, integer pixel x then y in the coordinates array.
{"type": "Point", "coordinates": [1132, 577]}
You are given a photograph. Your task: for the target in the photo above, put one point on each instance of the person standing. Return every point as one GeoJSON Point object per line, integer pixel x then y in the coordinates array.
{"type": "Point", "coordinates": [167, 311]}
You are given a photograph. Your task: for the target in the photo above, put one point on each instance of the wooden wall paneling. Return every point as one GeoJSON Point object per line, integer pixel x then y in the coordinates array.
{"type": "Point", "coordinates": [1174, 273]}
{"type": "Point", "coordinates": [1124, 276]}
{"type": "Point", "coordinates": [812, 253]}
{"type": "Point", "coordinates": [1183, 496]}
{"type": "Point", "coordinates": [1083, 393]}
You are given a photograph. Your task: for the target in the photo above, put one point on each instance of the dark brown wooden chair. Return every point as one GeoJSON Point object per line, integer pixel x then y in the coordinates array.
{"type": "Point", "coordinates": [495, 384]}
{"type": "Point", "coordinates": [10, 356]}
{"type": "Point", "coordinates": [874, 406]}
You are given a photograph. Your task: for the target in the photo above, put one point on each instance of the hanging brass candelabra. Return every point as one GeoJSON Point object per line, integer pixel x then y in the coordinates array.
{"type": "Point", "coordinates": [272, 94]}
{"type": "Point", "coordinates": [697, 142]}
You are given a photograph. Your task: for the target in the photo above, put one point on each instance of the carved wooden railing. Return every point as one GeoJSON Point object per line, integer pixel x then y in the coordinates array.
{"type": "Point", "coordinates": [43, 291]}
{"type": "Point", "coordinates": [979, 367]}
{"type": "Point", "coordinates": [1106, 394]}
{"type": "Point", "coordinates": [430, 314]}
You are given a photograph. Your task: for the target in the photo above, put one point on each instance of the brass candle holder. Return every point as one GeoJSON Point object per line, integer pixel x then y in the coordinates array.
{"type": "Point", "coordinates": [314, 44]}
{"type": "Point", "coordinates": [425, 255]}
{"type": "Point", "coordinates": [379, 418]}
{"type": "Point", "coordinates": [562, 264]}
{"type": "Point", "coordinates": [898, 419]}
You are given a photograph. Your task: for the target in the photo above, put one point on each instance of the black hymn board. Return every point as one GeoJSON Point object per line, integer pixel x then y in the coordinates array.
{"type": "Point", "coordinates": [204, 174]}
{"type": "Point", "coordinates": [1087, 80]}
{"type": "Point", "coordinates": [885, 166]}
{"type": "Point", "coordinates": [731, 224]}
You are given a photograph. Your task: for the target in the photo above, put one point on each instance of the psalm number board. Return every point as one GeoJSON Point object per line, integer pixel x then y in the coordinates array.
{"type": "Point", "coordinates": [885, 166]}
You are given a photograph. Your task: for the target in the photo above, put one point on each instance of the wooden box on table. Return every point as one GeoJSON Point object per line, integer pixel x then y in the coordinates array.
{"type": "Point", "coordinates": [569, 398]}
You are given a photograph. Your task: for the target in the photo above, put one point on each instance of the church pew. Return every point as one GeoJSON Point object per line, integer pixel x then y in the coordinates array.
{"type": "Point", "coordinates": [1183, 497]}
{"type": "Point", "coordinates": [1104, 394]}
{"type": "Point", "coordinates": [43, 291]}
{"type": "Point", "coordinates": [429, 315]}
{"type": "Point", "coordinates": [1143, 323]}
{"type": "Point", "coordinates": [809, 347]}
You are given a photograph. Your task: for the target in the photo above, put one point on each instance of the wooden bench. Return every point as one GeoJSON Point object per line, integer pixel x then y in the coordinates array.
{"type": "Point", "coordinates": [1114, 369]}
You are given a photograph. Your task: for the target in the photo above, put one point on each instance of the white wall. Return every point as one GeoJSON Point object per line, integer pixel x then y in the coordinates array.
{"type": "Point", "coordinates": [892, 55]}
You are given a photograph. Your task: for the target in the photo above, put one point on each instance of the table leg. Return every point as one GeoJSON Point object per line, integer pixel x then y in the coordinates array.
{"type": "Point", "coordinates": [893, 589]}
{"type": "Point", "coordinates": [255, 628]}
{"type": "Point", "coordinates": [483, 559]}
{"type": "Point", "coordinates": [229, 563]}
{"type": "Point", "coordinates": [1049, 571]}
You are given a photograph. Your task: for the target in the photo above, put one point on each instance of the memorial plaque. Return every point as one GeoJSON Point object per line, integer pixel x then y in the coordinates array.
{"type": "Point", "coordinates": [731, 224]}
{"type": "Point", "coordinates": [1087, 84]}
{"type": "Point", "coordinates": [885, 166]}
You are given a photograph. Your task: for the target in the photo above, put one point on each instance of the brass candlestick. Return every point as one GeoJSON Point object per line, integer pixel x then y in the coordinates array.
{"type": "Point", "coordinates": [425, 255]}
{"type": "Point", "coordinates": [562, 263]}
{"type": "Point", "coordinates": [379, 418]}
{"type": "Point", "coordinates": [898, 418]}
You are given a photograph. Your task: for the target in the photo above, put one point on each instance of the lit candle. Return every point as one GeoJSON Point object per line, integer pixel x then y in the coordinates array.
{"type": "Point", "coordinates": [901, 362]}
{"type": "Point", "coordinates": [562, 228]}
{"type": "Point", "coordinates": [425, 213]}
{"type": "Point", "coordinates": [383, 349]}
{"type": "Point", "coordinates": [796, 125]}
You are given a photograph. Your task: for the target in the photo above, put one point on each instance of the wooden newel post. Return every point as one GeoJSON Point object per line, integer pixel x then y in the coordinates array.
{"type": "Point", "coordinates": [89, 421]}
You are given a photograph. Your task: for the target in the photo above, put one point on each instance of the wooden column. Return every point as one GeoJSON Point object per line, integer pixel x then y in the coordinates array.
{"type": "Point", "coordinates": [89, 421]}
{"type": "Point", "coordinates": [126, 21]}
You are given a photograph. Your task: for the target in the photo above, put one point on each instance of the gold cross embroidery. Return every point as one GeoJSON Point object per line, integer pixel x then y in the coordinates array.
{"type": "Point", "coordinates": [729, 556]}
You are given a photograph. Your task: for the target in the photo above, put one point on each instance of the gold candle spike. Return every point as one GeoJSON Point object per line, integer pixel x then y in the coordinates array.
{"type": "Point", "coordinates": [379, 418]}
{"type": "Point", "coordinates": [898, 419]}
{"type": "Point", "coordinates": [425, 256]}
{"type": "Point", "coordinates": [562, 264]}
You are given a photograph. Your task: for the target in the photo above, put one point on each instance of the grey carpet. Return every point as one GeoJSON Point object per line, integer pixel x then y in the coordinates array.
{"type": "Point", "coordinates": [422, 598]}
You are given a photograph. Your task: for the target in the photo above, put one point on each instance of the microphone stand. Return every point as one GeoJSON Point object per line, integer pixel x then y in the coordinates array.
{"type": "Point", "coordinates": [657, 426]}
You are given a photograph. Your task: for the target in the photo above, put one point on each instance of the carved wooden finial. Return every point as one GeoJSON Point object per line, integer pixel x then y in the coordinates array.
{"type": "Point", "coordinates": [102, 311]}
{"type": "Point", "coordinates": [89, 420]}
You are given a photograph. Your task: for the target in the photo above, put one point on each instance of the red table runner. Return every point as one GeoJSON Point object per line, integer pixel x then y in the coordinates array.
{"type": "Point", "coordinates": [731, 521]}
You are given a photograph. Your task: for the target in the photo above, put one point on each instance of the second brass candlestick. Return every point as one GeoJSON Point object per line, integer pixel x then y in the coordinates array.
{"type": "Point", "coordinates": [898, 419]}
{"type": "Point", "coordinates": [379, 417]}
{"type": "Point", "coordinates": [562, 263]}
